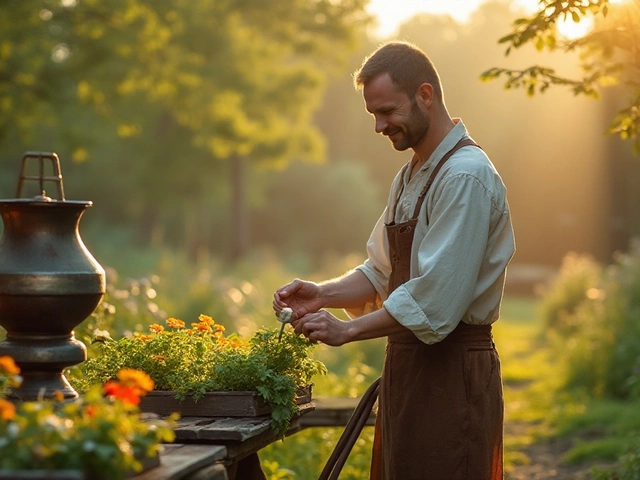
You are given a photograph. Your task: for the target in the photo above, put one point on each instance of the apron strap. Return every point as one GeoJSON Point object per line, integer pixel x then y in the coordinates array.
{"type": "Point", "coordinates": [462, 143]}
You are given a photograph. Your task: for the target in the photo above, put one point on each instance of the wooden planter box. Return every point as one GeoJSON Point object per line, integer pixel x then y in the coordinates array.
{"type": "Point", "coordinates": [214, 404]}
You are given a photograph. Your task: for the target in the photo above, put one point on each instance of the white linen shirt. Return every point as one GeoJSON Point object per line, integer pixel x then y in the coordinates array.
{"type": "Point", "coordinates": [459, 258]}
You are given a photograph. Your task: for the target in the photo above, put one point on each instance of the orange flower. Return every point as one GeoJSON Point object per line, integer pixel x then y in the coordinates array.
{"type": "Point", "coordinates": [7, 410]}
{"type": "Point", "coordinates": [122, 392]}
{"type": "Point", "coordinates": [9, 365]}
{"type": "Point", "coordinates": [58, 396]}
{"type": "Point", "coordinates": [91, 411]}
{"type": "Point", "coordinates": [136, 379]}
{"type": "Point", "coordinates": [206, 319]}
{"type": "Point", "coordinates": [175, 323]}
{"type": "Point", "coordinates": [156, 328]}
{"type": "Point", "coordinates": [219, 328]}
{"type": "Point", "coordinates": [203, 327]}
{"type": "Point", "coordinates": [160, 358]}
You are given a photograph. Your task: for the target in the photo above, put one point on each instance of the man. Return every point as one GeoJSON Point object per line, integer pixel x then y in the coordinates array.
{"type": "Point", "coordinates": [432, 284]}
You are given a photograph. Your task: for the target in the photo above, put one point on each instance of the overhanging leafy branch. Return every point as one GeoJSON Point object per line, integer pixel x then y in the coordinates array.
{"type": "Point", "coordinates": [610, 55]}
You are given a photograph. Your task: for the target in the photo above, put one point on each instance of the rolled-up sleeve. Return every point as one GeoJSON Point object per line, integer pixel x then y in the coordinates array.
{"type": "Point", "coordinates": [450, 257]}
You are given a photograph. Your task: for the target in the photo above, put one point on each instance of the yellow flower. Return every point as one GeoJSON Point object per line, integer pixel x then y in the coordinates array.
{"type": "Point", "coordinates": [9, 365]}
{"type": "Point", "coordinates": [136, 378]}
{"type": "Point", "coordinates": [175, 323]}
{"type": "Point", "coordinates": [156, 328]}
{"type": "Point", "coordinates": [7, 410]}
{"type": "Point", "coordinates": [206, 319]}
{"type": "Point", "coordinates": [219, 328]}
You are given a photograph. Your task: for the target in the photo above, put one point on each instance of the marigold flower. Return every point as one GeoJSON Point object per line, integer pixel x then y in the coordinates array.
{"type": "Point", "coordinates": [91, 411]}
{"type": "Point", "coordinates": [122, 392]}
{"type": "Point", "coordinates": [143, 338]}
{"type": "Point", "coordinates": [7, 410]}
{"type": "Point", "coordinates": [219, 328]}
{"type": "Point", "coordinates": [9, 365]}
{"type": "Point", "coordinates": [175, 323]}
{"type": "Point", "coordinates": [206, 319]}
{"type": "Point", "coordinates": [58, 395]}
{"type": "Point", "coordinates": [156, 328]}
{"type": "Point", "coordinates": [203, 327]}
{"type": "Point", "coordinates": [136, 379]}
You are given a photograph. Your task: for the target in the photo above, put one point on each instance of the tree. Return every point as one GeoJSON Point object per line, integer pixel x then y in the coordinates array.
{"type": "Point", "coordinates": [610, 54]}
{"type": "Point", "coordinates": [166, 94]}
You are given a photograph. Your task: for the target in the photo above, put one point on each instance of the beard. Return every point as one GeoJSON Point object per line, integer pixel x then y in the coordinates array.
{"type": "Point", "coordinates": [414, 132]}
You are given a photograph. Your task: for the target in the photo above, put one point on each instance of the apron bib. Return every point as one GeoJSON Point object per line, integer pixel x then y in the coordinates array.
{"type": "Point", "coordinates": [440, 413]}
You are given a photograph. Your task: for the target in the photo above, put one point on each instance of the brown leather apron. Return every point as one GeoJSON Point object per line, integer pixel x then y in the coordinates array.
{"type": "Point", "coordinates": [440, 413]}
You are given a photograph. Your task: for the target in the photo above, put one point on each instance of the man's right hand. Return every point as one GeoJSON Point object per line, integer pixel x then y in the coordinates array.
{"type": "Point", "coordinates": [301, 296]}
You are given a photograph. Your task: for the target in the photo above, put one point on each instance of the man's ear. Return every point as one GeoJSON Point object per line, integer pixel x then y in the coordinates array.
{"type": "Point", "coordinates": [424, 94]}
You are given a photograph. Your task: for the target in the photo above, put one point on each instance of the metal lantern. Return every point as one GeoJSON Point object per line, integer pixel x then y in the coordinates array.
{"type": "Point", "coordinates": [49, 283]}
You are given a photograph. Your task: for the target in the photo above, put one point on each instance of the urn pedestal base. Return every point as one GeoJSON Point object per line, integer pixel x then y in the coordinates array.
{"type": "Point", "coordinates": [42, 359]}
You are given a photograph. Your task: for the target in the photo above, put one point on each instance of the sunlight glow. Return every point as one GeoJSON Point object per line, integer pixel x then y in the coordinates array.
{"type": "Point", "coordinates": [390, 14]}
{"type": "Point", "coordinates": [572, 30]}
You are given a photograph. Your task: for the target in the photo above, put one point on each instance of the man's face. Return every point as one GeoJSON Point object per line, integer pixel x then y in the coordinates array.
{"type": "Point", "coordinates": [397, 116]}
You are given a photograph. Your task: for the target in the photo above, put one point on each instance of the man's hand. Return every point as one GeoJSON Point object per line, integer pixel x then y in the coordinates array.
{"type": "Point", "coordinates": [301, 296]}
{"type": "Point", "coordinates": [322, 327]}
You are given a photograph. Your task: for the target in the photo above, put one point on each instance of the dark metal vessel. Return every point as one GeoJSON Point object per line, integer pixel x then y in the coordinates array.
{"type": "Point", "coordinates": [49, 283]}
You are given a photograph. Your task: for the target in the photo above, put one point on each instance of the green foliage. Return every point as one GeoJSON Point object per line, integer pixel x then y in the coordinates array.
{"type": "Point", "coordinates": [595, 323]}
{"type": "Point", "coordinates": [342, 196]}
{"type": "Point", "coordinates": [609, 54]}
{"type": "Point", "coordinates": [200, 359]}
{"type": "Point", "coordinates": [103, 437]}
{"type": "Point", "coordinates": [578, 275]}
{"type": "Point", "coordinates": [132, 89]}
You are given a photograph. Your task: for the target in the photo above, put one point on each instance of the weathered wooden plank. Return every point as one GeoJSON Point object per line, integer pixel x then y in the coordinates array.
{"type": "Point", "coordinates": [226, 429]}
{"type": "Point", "coordinates": [332, 412]}
{"type": "Point", "coordinates": [212, 472]}
{"type": "Point", "coordinates": [178, 461]}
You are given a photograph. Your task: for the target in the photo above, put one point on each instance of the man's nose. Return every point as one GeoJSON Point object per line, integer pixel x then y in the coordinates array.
{"type": "Point", "coordinates": [381, 125]}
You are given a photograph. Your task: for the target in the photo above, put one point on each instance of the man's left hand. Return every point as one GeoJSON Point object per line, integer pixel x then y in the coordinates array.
{"type": "Point", "coordinates": [322, 327]}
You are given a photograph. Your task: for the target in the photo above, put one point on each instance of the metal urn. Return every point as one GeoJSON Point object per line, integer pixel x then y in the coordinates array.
{"type": "Point", "coordinates": [49, 283]}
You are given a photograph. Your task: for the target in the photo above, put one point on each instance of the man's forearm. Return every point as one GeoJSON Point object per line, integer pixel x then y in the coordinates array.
{"type": "Point", "coordinates": [373, 325]}
{"type": "Point", "coordinates": [352, 290]}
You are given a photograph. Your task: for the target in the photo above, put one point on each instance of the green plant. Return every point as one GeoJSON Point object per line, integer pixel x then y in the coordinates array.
{"type": "Point", "coordinates": [567, 291]}
{"type": "Point", "coordinates": [201, 359]}
{"type": "Point", "coordinates": [100, 433]}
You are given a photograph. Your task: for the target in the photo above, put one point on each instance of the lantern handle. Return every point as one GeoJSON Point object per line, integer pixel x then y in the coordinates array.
{"type": "Point", "coordinates": [41, 178]}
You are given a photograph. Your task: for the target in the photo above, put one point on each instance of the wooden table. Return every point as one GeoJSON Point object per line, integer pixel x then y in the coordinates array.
{"type": "Point", "coordinates": [220, 448]}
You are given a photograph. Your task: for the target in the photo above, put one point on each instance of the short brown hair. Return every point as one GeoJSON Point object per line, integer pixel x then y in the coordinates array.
{"type": "Point", "coordinates": [407, 65]}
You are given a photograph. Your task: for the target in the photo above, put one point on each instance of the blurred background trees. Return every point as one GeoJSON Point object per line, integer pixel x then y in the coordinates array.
{"type": "Point", "coordinates": [181, 120]}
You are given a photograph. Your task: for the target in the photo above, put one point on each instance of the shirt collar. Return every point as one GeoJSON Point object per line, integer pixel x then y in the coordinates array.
{"type": "Point", "coordinates": [457, 133]}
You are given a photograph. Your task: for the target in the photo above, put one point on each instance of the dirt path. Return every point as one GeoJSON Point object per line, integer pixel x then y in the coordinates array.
{"type": "Point", "coordinates": [545, 459]}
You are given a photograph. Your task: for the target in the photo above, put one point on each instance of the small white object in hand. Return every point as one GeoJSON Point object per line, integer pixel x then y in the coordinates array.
{"type": "Point", "coordinates": [286, 315]}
